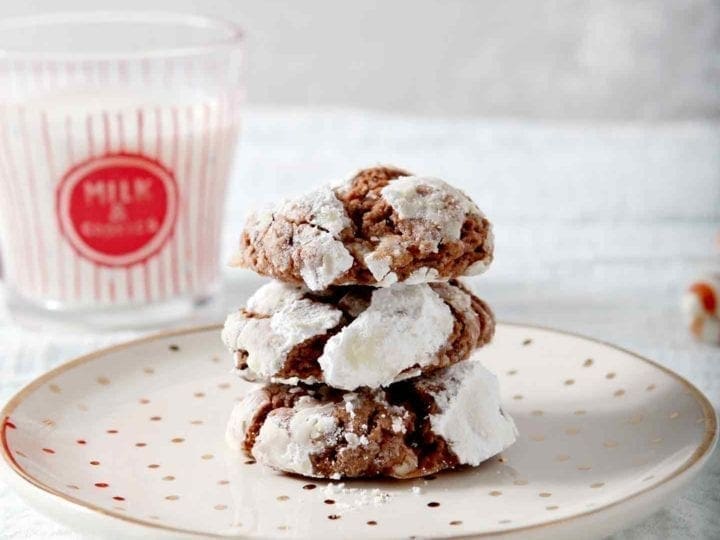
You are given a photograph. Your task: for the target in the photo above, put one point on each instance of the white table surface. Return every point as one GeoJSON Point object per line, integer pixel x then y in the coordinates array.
{"type": "Point", "coordinates": [598, 229]}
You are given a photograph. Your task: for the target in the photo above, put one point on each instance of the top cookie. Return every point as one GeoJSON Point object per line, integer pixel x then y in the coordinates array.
{"type": "Point", "coordinates": [381, 227]}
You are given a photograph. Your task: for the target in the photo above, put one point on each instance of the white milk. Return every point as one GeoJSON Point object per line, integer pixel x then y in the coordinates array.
{"type": "Point", "coordinates": [114, 198]}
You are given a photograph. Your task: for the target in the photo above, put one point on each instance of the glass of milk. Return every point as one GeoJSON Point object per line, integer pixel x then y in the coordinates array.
{"type": "Point", "coordinates": [117, 135]}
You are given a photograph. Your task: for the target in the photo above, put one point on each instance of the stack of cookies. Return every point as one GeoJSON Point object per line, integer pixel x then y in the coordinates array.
{"type": "Point", "coordinates": [362, 340]}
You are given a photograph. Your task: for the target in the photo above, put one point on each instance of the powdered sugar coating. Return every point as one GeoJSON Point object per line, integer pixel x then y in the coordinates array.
{"type": "Point", "coordinates": [281, 320]}
{"type": "Point", "coordinates": [304, 233]}
{"type": "Point", "coordinates": [477, 268]}
{"type": "Point", "coordinates": [272, 297]}
{"type": "Point", "coordinates": [347, 498]}
{"type": "Point", "coordinates": [422, 275]}
{"type": "Point", "coordinates": [292, 381]}
{"type": "Point", "coordinates": [322, 257]}
{"type": "Point", "coordinates": [470, 417]}
{"type": "Point", "coordinates": [309, 431]}
{"type": "Point", "coordinates": [398, 426]}
{"type": "Point", "coordinates": [379, 267]}
{"type": "Point", "coordinates": [404, 326]}
{"type": "Point", "coordinates": [434, 201]}
{"type": "Point", "coordinates": [242, 417]}
{"type": "Point", "coordinates": [320, 208]}
{"type": "Point", "coordinates": [288, 437]}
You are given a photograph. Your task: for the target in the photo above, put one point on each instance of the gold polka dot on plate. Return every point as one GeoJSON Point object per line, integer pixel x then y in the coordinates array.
{"type": "Point", "coordinates": [572, 432]}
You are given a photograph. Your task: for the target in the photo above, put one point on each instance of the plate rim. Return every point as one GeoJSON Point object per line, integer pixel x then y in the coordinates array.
{"type": "Point", "coordinates": [697, 458]}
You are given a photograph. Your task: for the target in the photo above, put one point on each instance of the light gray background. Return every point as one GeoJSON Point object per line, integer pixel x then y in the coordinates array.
{"type": "Point", "coordinates": [589, 131]}
{"type": "Point", "coordinates": [600, 59]}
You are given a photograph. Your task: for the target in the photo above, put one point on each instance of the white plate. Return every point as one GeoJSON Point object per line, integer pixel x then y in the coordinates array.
{"type": "Point", "coordinates": [129, 441]}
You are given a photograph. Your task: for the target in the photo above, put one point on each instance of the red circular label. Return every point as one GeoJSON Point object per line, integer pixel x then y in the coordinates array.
{"type": "Point", "coordinates": [117, 210]}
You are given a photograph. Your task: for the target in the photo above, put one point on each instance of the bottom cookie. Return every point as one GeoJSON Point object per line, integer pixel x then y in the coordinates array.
{"type": "Point", "coordinates": [409, 429]}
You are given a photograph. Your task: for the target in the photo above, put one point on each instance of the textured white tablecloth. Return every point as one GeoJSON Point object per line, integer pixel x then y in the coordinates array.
{"type": "Point", "coordinates": [599, 229]}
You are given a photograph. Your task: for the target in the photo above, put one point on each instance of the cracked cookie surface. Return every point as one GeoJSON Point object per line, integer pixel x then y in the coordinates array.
{"type": "Point", "coordinates": [383, 226]}
{"type": "Point", "coordinates": [412, 428]}
{"type": "Point", "coordinates": [348, 337]}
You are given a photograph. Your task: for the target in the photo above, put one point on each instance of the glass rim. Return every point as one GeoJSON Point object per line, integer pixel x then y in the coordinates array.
{"type": "Point", "coordinates": [233, 34]}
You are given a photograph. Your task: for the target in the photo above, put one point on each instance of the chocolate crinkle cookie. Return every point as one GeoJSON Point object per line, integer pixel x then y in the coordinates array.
{"type": "Point", "coordinates": [354, 336]}
{"type": "Point", "coordinates": [412, 428]}
{"type": "Point", "coordinates": [382, 227]}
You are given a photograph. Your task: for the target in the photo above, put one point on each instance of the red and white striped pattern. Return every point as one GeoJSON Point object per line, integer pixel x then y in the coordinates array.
{"type": "Point", "coordinates": [41, 140]}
